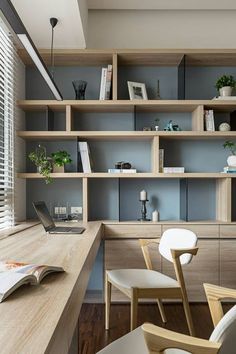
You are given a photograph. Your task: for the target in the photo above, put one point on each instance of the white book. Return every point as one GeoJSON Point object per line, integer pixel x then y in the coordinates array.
{"type": "Point", "coordinates": [224, 98]}
{"type": "Point", "coordinates": [209, 120]}
{"type": "Point", "coordinates": [103, 84]}
{"type": "Point", "coordinates": [173, 169]}
{"type": "Point", "coordinates": [85, 156]}
{"type": "Point", "coordinates": [108, 82]}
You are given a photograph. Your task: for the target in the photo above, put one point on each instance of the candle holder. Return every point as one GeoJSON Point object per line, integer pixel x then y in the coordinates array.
{"type": "Point", "coordinates": [144, 210]}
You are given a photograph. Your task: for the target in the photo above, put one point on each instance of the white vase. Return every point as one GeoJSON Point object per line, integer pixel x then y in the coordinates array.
{"type": "Point", "coordinates": [155, 216]}
{"type": "Point", "coordinates": [226, 91]}
{"type": "Point", "coordinates": [156, 128]}
{"type": "Point", "coordinates": [231, 160]}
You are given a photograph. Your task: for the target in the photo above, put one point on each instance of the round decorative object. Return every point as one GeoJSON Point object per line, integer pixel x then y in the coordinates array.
{"type": "Point", "coordinates": [231, 160]}
{"type": "Point", "coordinates": [224, 127]}
{"type": "Point", "coordinates": [226, 91]}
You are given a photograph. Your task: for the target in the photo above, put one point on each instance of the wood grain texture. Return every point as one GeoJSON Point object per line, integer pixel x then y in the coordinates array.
{"type": "Point", "coordinates": [114, 76]}
{"type": "Point", "coordinates": [227, 263]}
{"type": "Point", "coordinates": [152, 57]}
{"type": "Point", "coordinates": [42, 319]}
{"type": "Point", "coordinates": [198, 119]}
{"type": "Point", "coordinates": [223, 199]}
{"type": "Point", "coordinates": [228, 231]}
{"type": "Point", "coordinates": [202, 231]}
{"type": "Point", "coordinates": [121, 135]}
{"type": "Point", "coordinates": [127, 231]}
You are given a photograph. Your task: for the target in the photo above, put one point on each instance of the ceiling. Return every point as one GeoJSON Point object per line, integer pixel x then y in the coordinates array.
{"type": "Point", "coordinates": [70, 30]}
{"type": "Point", "coordinates": [161, 4]}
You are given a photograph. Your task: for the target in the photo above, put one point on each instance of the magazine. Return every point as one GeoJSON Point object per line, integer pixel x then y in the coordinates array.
{"type": "Point", "coordinates": [14, 274]}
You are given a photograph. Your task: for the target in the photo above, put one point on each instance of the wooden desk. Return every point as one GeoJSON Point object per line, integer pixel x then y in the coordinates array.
{"type": "Point", "coordinates": [42, 319]}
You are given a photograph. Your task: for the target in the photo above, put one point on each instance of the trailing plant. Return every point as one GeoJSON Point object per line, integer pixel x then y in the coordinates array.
{"type": "Point", "coordinates": [231, 146]}
{"type": "Point", "coordinates": [41, 161]}
{"type": "Point", "coordinates": [225, 81]}
{"type": "Point", "coordinates": [61, 158]}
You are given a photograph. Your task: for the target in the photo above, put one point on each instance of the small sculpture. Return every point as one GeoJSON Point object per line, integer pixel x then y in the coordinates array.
{"type": "Point", "coordinates": [172, 127]}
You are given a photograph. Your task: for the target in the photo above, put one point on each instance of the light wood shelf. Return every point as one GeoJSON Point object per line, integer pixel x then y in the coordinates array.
{"type": "Point", "coordinates": [128, 105]}
{"type": "Point", "coordinates": [122, 135]}
{"type": "Point", "coordinates": [130, 175]}
{"type": "Point", "coordinates": [147, 57]}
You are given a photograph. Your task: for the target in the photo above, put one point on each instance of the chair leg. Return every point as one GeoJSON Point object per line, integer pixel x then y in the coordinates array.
{"type": "Point", "coordinates": [134, 309]}
{"type": "Point", "coordinates": [162, 311]}
{"type": "Point", "coordinates": [107, 302]}
{"type": "Point", "coordinates": [188, 316]}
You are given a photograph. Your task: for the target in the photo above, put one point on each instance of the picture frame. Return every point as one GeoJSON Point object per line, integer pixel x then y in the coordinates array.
{"type": "Point", "coordinates": [137, 90]}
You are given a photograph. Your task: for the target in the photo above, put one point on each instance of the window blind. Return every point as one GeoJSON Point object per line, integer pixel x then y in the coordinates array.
{"type": "Point", "coordinates": [7, 107]}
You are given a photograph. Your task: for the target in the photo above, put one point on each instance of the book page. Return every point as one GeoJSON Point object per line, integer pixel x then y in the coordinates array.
{"type": "Point", "coordinates": [9, 281]}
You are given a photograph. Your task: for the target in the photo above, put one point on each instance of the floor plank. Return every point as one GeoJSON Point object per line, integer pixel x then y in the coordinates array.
{"type": "Point", "coordinates": [93, 337]}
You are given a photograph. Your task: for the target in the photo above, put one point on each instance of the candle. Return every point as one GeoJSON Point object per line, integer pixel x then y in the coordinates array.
{"type": "Point", "coordinates": [155, 215]}
{"type": "Point", "coordinates": [143, 195]}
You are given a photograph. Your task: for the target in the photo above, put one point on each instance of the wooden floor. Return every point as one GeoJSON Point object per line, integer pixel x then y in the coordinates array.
{"type": "Point", "coordinates": [93, 337]}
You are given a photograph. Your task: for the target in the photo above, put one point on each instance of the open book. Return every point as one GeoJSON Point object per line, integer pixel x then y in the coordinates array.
{"type": "Point", "coordinates": [15, 274]}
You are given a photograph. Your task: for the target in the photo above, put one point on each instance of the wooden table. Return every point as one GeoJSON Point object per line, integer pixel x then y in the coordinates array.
{"type": "Point", "coordinates": [42, 319]}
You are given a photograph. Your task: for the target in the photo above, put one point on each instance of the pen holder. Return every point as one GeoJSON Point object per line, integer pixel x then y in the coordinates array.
{"type": "Point", "coordinates": [144, 211]}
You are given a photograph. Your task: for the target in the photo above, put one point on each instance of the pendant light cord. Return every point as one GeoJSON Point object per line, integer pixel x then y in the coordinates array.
{"type": "Point", "coordinates": [52, 54]}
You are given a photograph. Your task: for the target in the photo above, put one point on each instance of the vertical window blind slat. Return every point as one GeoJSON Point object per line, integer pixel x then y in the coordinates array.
{"type": "Point", "coordinates": [7, 98]}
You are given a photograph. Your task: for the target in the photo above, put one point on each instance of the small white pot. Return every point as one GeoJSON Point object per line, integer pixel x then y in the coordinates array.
{"type": "Point", "coordinates": [226, 91]}
{"type": "Point", "coordinates": [231, 160]}
{"type": "Point", "coordinates": [156, 128]}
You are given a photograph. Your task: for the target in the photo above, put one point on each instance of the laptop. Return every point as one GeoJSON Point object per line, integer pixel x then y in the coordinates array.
{"type": "Point", "coordinates": [48, 223]}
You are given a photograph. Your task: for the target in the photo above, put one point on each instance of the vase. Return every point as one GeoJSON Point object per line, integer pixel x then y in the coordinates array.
{"type": "Point", "coordinates": [79, 87]}
{"type": "Point", "coordinates": [58, 169]}
{"type": "Point", "coordinates": [226, 91]}
{"type": "Point", "coordinates": [231, 160]}
{"type": "Point", "coordinates": [156, 128]}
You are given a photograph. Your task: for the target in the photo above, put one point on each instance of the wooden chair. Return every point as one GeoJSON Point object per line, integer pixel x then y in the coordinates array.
{"type": "Point", "coordinates": [178, 247]}
{"type": "Point", "coordinates": [150, 339]}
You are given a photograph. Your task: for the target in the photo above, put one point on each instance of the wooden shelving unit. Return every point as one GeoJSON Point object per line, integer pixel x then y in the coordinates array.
{"type": "Point", "coordinates": [195, 108]}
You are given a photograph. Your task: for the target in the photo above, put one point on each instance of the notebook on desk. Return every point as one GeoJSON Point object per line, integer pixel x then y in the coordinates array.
{"type": "Point", "coordinates": [48, 223]}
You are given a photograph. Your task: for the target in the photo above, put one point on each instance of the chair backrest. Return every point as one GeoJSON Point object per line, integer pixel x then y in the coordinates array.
{"type": "Point", "coordinates": [177, 239]}
{"type": "Point", "coordinates": [225, 333]}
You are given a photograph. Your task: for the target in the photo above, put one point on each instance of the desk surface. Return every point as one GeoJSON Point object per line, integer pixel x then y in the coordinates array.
{"type": "Point", "coordinates": [42, 319]}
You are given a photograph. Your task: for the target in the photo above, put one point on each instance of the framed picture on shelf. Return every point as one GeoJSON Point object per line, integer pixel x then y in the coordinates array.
{"type": "Point", "coordinates": [137, 91]}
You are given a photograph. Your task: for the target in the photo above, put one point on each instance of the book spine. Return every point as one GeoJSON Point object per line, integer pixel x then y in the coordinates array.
{"type": "Point", "coordinates": [117, 170]}
{"type": "Point", "coordinates": [173, 170]}
{"type": "Point", "coordinates": [161, 160]}
{"type": "Point", "coordinates": [103, 84]}
{"type": "Point", "coordinates": [83, 148]}
{"type": "Point", "coordinates": [108, 83]}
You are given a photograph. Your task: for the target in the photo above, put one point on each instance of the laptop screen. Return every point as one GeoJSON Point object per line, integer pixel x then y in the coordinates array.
{"type": "Point", "coordinates": [43, 215]}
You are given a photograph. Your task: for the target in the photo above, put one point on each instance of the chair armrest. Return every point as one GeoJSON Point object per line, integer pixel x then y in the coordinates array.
{"type": "Point", "coordinates": [215, 294]}
{"type": "Point", "coordinates": [146, 241]}
{"type": "Point", "coordinates": [159, 339]}
{"type": "Point", "coordinates": [176, 253]}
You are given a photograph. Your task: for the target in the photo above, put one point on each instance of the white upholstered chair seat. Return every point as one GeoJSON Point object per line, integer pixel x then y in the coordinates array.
{"type": "Point", "coordinates": [141, 278]}
{"type": "Point", "coordinates": [133, 343]}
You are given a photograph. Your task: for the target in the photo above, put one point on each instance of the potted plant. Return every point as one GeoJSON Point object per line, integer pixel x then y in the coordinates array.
{"type": "Point", "coordinates": [59, 160]}
{"type": "Point", "coordinates": [231, 160]}
{"type": "Point", "coordinates": [42, 162]}
{"type": "Point", "coordinates": [225, 85]}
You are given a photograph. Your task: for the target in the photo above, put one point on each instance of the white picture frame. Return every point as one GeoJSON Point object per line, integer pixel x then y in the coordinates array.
{"type": "Point", "coordinates": [137, 91]}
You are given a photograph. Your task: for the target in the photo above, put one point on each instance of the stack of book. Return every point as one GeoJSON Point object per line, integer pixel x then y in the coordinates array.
{"type": "Point", "coordinates": [209, 120]}
{"type": "Point", "coordinates": [105, 86]}
{"type": "Point", "coordinates": [173, 169]}
{"type": "Point", "coordinates": [117, 170]}
{"type": "Point", "coordinates": [84, 158]}
{"type": "Point", "coordinates": [229, 169]}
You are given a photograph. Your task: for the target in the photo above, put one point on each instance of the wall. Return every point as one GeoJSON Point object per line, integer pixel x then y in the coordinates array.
{"type": "Point", "coordinates": [161, 29]}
